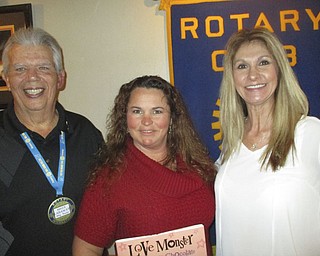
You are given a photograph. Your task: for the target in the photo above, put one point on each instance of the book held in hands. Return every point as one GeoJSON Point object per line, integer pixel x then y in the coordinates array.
{"type": "Point", "coordinates": [188, 241]}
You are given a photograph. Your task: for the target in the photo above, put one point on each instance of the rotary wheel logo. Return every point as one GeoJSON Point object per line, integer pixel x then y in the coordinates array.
{"type": "Point", "coordinates": [216, 125]}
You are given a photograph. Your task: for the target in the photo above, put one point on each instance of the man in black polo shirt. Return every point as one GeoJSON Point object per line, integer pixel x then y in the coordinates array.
{"type": "Point", "coordinates": [45, 151]}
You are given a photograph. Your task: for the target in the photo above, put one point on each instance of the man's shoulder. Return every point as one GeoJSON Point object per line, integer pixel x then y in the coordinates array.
{"type": "Point", "coordinates": [82, 124]}
{"type": "Point", "coordinates": [74, 118]}
{"type": "Point", "coordinates": [11, 154]}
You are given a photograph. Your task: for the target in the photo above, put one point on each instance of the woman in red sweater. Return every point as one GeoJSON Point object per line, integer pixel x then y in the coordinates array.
{"type": "Point", "coordinates": [153, 174]}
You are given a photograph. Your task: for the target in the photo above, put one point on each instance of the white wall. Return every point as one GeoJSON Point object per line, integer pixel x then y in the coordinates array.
{"type": "Point", "coordinates": [106, 43]}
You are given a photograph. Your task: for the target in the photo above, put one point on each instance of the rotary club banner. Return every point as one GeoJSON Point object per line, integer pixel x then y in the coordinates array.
{"type": "Point", "coordinates": [197, 32]}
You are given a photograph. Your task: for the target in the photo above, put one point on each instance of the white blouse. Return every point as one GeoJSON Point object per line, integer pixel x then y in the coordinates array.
{"type": "Point", "coordinates": [261, 212]}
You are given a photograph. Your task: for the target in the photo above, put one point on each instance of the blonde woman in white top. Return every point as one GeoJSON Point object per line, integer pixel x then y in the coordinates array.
{"type": "Point", "coordinates": [268, 183]}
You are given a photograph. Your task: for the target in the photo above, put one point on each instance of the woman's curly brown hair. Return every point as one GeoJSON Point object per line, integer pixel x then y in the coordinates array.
{"type": "Point", "coordinates": [182, 138]}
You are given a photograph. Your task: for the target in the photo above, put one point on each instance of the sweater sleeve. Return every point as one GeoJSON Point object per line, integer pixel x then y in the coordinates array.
{"type": "Point", "coordinates": [96, 221]}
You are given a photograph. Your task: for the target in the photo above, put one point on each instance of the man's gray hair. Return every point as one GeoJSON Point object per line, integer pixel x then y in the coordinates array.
{"type": "Point", "coordinates": [36, 37]}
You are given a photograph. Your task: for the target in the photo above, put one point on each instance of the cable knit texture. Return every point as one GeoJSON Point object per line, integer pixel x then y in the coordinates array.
{"type": "Point", "coordinates": [148, 198]}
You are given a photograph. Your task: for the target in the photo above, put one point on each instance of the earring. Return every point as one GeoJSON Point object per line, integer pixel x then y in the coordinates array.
{"type": "Point", "coordinates": [170, 127]}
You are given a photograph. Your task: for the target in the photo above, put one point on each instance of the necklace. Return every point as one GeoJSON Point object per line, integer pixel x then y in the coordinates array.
{"type": "Point", "coordinates": [255, 144]}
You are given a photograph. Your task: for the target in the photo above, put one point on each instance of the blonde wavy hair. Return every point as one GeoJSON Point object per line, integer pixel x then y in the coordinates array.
{"type": "Point", "coordinates": [291, 104]}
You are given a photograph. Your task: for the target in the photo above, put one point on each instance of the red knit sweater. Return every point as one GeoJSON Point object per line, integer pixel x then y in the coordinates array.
{"type": "Point", "coordinates": [147, 199]}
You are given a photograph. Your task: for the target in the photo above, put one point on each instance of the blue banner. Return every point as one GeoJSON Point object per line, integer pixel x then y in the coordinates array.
{"type": "Point", "coordinates": [198, 32]}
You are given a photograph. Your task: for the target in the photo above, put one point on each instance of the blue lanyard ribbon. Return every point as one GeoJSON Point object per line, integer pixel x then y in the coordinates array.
{"type": "Point", "coordinates": [56, 184]}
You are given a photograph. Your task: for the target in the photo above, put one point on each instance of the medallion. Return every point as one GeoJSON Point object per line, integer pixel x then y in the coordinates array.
{"type": "Point", "coordinates": [61, 210]}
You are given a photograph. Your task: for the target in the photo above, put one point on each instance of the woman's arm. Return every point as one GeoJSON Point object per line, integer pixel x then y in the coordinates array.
{"type": "Point", "coordinates": [82, 248]}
